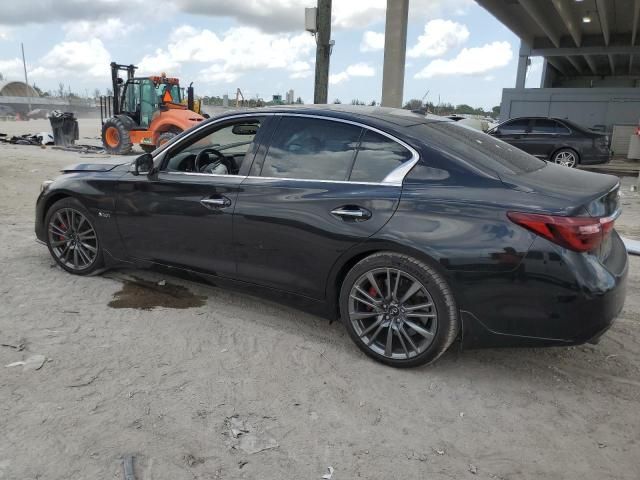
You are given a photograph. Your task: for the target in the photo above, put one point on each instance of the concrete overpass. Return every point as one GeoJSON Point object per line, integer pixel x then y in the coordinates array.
{"type": "Point", "coordinates": [591, 52]}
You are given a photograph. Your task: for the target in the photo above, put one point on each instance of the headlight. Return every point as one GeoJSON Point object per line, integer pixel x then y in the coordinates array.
{"type": "Point", "coordinates": [45, 185]}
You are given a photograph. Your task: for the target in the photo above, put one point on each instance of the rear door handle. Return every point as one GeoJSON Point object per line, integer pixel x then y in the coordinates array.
{"type": "Point", "coordinates": [351, 213]}
{"type": "Point", "coordinates": [216, 202]}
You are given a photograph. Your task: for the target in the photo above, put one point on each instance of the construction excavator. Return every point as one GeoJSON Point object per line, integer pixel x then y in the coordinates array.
{"type": "Point", "coordinates": [147, 111]}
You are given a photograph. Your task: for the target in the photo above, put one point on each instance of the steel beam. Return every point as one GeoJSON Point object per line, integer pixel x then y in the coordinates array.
{"type": "Point", "coordinates": [535, 11]}
{"type": "Point", "coordinates": [596, 50]}
{"type": "Point", "coordinates": [498, 10]}
{"type": "Point", "coordinates": [574, 62]}
{"type": "Point", "coordinates": [591, 63]}
{"type": "Point", "coordinates": [601, 6]}
{"type": "Point", "coordinates": [634, 30]}
{"type": "Point", "coordinates": [612, 64]}
{"type": "Point", "coordinates": [570, 19]}
{"type": "Point", "coordinates": [557, 65]}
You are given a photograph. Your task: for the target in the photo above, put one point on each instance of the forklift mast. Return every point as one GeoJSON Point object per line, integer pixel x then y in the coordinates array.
{"type": "Point", "coordinates": [117, 82]}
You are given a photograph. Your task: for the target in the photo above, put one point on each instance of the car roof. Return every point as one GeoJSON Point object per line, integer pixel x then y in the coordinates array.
{"type": "Point", "coordinates": [397, 117]}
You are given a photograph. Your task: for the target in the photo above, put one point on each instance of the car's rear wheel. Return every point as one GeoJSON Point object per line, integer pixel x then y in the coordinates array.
{"type": "Point", "coordinates": [566, 157]}
{"type": "Point", "coordinates": [398, 310]}
{"type": "Point", "coordinates": [72, 238]}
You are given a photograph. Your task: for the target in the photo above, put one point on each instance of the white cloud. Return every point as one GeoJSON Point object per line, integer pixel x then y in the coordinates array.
{"type": "Point", "coordinates": [109, 29]}
{"type": "Point", "coordinates": [47, 11]}
{"type": "Point", "coordinates": [439, 37]}
{"type": "Point", "coordinates": [372, 41]}
{"type": "Point", "coordinates": [235, 52]}
{"type": "Point", "coordinates": [288, 15]}
{"type": "Point", "coordinates": [355, 70]}
{"type": "Point", "coordinates": [470, 61]}
{"type": "Point", "coordinates": [68, 59]}
{"type": "Point", "coordinates": [11, 69]}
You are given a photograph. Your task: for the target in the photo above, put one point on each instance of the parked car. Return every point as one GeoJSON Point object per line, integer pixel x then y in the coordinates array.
{"type": "Point", "coordinates": [478, 123]}
{"type": "Point", "coordinates": [413, 230]}
{"type": "Point", "coordinates": [557, 140]}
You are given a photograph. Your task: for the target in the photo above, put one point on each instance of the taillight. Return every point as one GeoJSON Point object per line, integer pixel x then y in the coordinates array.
{"type": "Point", "coordinates": [581, 234]}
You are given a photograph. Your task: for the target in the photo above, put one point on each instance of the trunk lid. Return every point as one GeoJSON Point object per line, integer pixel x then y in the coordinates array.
{"type": "Point", "coordinates": [578, 192]}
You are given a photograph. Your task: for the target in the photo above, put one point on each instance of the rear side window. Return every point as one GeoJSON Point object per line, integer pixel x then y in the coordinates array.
{"type": "Point", "coordinates": [514, 127]}
{"type": "Point", "coordinates": [377, 157]}
{"type": "Point", "coordinates": [309, 148]}
{"type": "Point", "coordinates": [477, 148]}
{"type": "Point", "coordinates": [543, 126]}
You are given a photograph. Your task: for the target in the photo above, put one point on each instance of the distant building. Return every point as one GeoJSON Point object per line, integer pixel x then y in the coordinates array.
{"type": "Point", "coordinates": [290, 97]}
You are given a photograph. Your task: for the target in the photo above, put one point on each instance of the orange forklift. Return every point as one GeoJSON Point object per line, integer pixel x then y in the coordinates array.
{"type": "Point", "coordinates": [148, 111]}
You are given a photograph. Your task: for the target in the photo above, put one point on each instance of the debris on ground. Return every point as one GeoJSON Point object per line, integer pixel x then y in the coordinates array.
{"type": "Point", "coordinates": [19, 346]}
{"type": "Point", "coordinates": [162, 283]}
{"type": "Point", "coordinates": [80, 148]}
{"type": "Point", "coordinates": [127, 465]}
{"type": "Point", "coordinates": [38, 139]}
{"type": "Point", "coordinates": [242, 463]}
{"type": "Point", "coordinates": [438, 451]}
{"type": "Point", "coordinates": [192, 461]}
{"type": "Point", "coordinates": [247, 438]}
{"type": "Point", "coordinates": [34, 362]}
{"type": "Point", "coordinates": [473, 469]}
{"type": "Point", "coordinates": [327, 476]}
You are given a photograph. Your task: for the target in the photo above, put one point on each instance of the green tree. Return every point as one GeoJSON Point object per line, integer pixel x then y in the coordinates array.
{"type": "Point", "coordinates": [413, 104]}
{"type": "Point", "coordinates": [337, 101]}
{"type": "Point", "coordinates": [299, 101]}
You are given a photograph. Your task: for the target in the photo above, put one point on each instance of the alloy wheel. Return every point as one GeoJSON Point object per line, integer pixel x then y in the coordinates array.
{"type": "Point", "coordinates": [72, 239]}
{"type": "Point", "coordinates": [392, 313]}
{"type": "Point", "coordinates": [566, 159]}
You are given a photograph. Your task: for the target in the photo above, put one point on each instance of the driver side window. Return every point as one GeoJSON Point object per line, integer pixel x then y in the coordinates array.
{"type": "Point", "coordinates": [218, 152]}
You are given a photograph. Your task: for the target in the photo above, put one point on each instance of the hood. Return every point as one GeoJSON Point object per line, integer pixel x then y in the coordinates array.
{"type": "Point", "coordinates": [90, 167]}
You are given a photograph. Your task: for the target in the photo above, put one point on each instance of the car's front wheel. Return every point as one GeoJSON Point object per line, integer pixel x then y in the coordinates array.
{"type": "Point", "coordinates": [398, 310]}
{"type": "Point", "coordinates": [72, 238]}
{"type": "Point", "coordinates": [566, 157]}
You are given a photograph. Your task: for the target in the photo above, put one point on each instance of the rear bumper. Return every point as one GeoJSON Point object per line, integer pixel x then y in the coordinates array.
{"type": "Point", "coordinates": [595, 158]}
{"type": "Point", "coordinates": [556, 299]}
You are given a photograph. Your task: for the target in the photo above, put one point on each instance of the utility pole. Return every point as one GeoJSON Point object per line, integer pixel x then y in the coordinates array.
{"type": "Point", "coordinates": [395, 49]}
{"type": "Point", "coordinates": [323, 51]}
{"type": "Point", "coordinates": [26, 81]}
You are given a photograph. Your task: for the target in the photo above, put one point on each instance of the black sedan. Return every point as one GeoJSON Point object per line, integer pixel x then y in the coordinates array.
{"type": "Point", "coordinates": [413, 231]}
{"type": "Point", "coordinates": [558, 140]}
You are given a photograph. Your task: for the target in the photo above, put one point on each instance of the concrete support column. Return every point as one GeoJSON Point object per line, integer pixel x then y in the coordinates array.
{"type": "Point", "coordinates": [548, 75]}
{"type": "Point", "coordinates": [523, 63]}
{"type": "Point", "coordinates": [395, 49]}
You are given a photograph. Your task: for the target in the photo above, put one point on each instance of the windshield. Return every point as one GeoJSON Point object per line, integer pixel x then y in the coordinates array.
{"type": "Point", "coordinates": [477, 148]}
{"type": "Point", "coordinates": [173, 90]}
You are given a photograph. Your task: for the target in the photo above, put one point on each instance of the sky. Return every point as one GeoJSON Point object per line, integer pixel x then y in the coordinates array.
{"type": "Point", "coordinates": [456, 51]}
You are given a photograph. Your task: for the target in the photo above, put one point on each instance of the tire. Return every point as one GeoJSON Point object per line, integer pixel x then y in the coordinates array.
{"type": "Point", "coordinates": [166, 137]}
{"type": "Point", "coordinates": [566, 157]}
{"type": "Point", "coordinates": [115, 137]}
{"type": "Point", "coordinates": [431, 310]}
{"type": "Point", "coordinates": [76, 253]}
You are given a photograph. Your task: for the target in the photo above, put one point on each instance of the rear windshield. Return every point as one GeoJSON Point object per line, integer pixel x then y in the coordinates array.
{"type": "Point", "coordinates": [476, 148]}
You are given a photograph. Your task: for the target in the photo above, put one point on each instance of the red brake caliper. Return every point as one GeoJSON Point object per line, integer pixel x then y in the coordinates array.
{"type": "Point", "coordinates": [64, 228]}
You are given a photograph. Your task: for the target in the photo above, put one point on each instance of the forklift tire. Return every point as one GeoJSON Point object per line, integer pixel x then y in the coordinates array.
{"type": "Point", "coordinates": [166, 137]}
{"type": "Point", "coordinates": [115, 137]}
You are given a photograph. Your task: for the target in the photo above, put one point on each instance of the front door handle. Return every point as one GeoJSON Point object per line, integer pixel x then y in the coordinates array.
{"type": "Point", "coordinates": [216, 202]}
{"type": "Point", "coordinates": [351, 213]}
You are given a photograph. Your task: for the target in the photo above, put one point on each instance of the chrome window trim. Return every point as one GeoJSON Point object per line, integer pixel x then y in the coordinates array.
{"type": "Point", "coordinates": [394, 178]}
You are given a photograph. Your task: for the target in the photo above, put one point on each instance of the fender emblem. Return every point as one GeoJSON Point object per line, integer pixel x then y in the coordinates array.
{"type": "Point", "coordinates": [104, 214]}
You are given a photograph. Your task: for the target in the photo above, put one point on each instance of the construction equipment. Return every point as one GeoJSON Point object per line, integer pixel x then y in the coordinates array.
{"type": "Point", "coordinates": [148, 111]}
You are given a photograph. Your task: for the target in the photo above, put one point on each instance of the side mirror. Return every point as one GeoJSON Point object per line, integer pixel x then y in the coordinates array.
{"type": "Point", "coordinates": [494, 131]}
{"type": "Point", "coordinates": [143, 164]}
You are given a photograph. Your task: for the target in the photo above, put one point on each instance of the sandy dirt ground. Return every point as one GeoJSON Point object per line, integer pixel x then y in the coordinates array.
{"type": "Point", "coordinates": [231, 386]}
